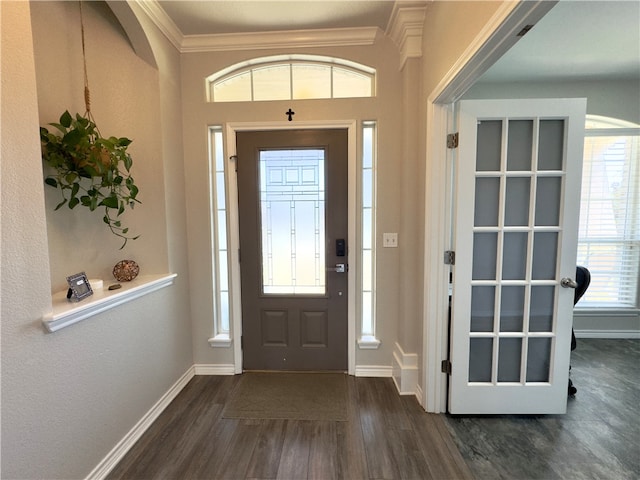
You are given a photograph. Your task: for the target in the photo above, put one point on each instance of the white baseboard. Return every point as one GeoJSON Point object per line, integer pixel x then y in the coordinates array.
{"type": "Point", "coordinates": [405, 371]}
{"type": "Point", "coordinates": [118, 452]}
{"type": "Point", "coordinates": [214, 369]}
{"type": "Point", "coordinates": [374, 371]}
{"type": "Point", "coordinates": [122, 447]}
{"type": "Point", "coordinates": [607, 333]}
{"type": "Point", "coordinates": [419, 394]}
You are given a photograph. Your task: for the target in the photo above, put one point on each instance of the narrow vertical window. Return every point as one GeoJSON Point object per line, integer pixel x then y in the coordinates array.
{"type": "Point", "coordinates": [219, 267]}
{"type": "Point", "coordinates": [368, 215]}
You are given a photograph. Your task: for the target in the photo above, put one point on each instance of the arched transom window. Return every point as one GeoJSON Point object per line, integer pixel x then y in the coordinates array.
{"type": "Point", "coordinates": [291, 77]}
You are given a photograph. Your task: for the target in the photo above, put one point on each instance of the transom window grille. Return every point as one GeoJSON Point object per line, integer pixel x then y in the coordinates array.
{"type": "Point", "coordinates": [291, 78]}
{"type": "Point", "coordinates": [609, 236]}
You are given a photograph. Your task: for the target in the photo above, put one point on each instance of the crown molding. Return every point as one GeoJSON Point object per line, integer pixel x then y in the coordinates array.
{"type": "Point", "coordinates": [331, 37]}
{"type": "Point", "coordinates": [405, 28]}
{"type": "Point", "coordinates": [160, 19]}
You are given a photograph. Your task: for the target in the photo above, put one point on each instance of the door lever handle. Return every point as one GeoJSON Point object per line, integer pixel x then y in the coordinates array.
{"type": "Point", "coordinates": [568, 283]}
{"type": "Point", "coordinates": [339, 268]}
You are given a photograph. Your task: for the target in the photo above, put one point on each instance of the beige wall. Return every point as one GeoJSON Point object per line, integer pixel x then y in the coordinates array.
{"type": "Point", "coordinates": [103, 374]}
{"type": "Point", "coordinates": [449, 28]}
{"type": "Point", "coordinates": [124, 102]}
{"type": "Point", "coordinates": [69, 397]}
{"type": "Point", "coordinates": [385, 108]}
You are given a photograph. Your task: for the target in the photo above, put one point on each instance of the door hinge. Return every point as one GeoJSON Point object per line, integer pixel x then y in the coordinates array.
{"type": "Point", "coordinates": [241, 342]}
{"type": "Point", "coordinates": [449, 257]}
{"type": "Point", "coordinates": [446, 367]}
{"type": "Point", "coordinates": [452, 140]}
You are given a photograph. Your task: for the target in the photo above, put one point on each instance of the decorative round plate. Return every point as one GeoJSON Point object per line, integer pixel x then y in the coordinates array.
{"type": "Point", "coordinates": [126, 270]}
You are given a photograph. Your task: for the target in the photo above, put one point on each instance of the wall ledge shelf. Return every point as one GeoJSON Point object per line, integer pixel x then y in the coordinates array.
{"type": "Point", "coordinates": [66, 313]}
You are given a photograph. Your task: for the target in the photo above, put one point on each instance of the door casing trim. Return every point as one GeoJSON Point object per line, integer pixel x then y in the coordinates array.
{"type": "Point", "coordinates": [230, 129]}
{"type": "Point", "coordinates": [496, 38]}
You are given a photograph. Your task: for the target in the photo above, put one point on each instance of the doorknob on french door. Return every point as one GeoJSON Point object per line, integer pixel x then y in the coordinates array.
{"type": "Point", "coordinates": [568, 283]}
{"type": "Point", "coordinates": [339, 268]}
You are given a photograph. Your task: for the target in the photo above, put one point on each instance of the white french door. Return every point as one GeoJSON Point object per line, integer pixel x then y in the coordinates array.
{"type": "Point", "coordinates": [516, 211]}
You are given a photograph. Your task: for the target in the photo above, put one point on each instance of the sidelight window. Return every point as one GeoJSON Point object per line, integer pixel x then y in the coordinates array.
{"type": "Point", "coordinates": [220, 259]}
{"type": "Point", "coordinates": [368, 215]}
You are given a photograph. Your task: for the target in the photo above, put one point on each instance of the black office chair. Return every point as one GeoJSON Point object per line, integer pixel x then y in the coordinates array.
{"type": "Point", "coordinates": [583, 279]}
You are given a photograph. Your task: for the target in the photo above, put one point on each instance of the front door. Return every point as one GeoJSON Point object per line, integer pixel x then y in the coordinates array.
{"type": "Point", "coordinates": [292, 187]}
{"type": "Point", "coordinates": [518, 179]}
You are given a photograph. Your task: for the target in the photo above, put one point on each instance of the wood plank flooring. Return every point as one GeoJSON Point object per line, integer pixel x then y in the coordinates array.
{"type": "Point", "coordinates": [390, 437]}
{"type": "Point", "coordinates": [598, 437]}
{"type": "Point", "coordinates": [386, 436]}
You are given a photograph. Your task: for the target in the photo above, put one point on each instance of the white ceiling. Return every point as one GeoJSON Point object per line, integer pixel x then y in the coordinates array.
{"type": "Point", "coordinates": [243, 16]}
{"type": "Point", "coordinates": [577, 39]}
{"type": "Point", "coordinates": [586, 40]}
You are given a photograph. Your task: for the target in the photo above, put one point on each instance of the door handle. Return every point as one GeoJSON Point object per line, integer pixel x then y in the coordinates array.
{"type": "Point", "coordinates": [339, 268]}
{"type": "Point", "coordinates": [568, 283]}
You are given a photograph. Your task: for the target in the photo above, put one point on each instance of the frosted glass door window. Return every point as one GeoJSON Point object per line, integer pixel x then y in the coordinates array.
{"type": "Point", "coordinates": [515, 248]}
{"type": "Point", "coordinates": [292, 204]}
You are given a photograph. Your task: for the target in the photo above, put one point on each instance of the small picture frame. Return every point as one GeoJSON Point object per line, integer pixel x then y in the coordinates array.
{"type": "Point", "coordinates": [79, 287]}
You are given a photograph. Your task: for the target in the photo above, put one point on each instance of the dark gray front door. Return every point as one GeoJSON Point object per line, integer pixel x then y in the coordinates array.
{"type": "Point", "coordinates": [292, 187]}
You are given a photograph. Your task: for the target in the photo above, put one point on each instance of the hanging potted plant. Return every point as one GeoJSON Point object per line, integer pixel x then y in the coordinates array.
{"type": "Point", "coordinates": [90, 170]}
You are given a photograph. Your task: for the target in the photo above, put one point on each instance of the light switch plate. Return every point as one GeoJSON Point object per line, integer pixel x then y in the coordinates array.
{"type": "Point", "coordinates": [390, 240]}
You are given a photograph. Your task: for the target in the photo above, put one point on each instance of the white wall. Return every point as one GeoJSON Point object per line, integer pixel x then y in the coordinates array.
{"type": "Point", "coordinates": [69, 397]}
{"type": "Point", "coordinates": [613, 98]}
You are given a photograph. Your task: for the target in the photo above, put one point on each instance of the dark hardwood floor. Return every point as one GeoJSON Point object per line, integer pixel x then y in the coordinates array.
{"type": "Point", "coordinates": [598, 438]}
{"type": "Point", "coordinates": [390, 437]}
{"type": "Point", "coordinates": [386, 436]}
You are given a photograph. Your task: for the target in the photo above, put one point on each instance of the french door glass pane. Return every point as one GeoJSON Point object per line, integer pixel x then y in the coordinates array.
{"type": "Point", "coordinates": [538, 357]}
{"type": "Point", "coordinates": [485, 247]}
{"type": "Point", "coordinates": [480, 359]}
{"type": "Point", "coordinates": [514, 260]}
{"type": "Point", "coordinates": [520, 145]}
{"type": "Point", "coordinates": [551, 145]}
{"type": "Point", "coordinates": [512, 309]}
{"type": "Point", "coordinates": [517, 201]}
{"type": "Point", "coordinates": [489, 148]}
{"type": "Point", "coordinates": [509, 359]}
{"type": "Point", "coordinates": [488, 198]}
{"type": "Point", "coordinates": [548, 201]}
{"type": "Point", "coordinates": [545, 251]}
{"type": "Point", "coordinates": [482, 308]}
{"type": "Point", "coordinates": [292, 201]}
{"type": "Point", "coordinates": [541, 310]}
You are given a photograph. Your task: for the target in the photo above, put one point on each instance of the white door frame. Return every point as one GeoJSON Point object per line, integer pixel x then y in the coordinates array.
{"type": "Point", "coordinates": [235, 306]}
{"type": "Point", "coordinates": [498, 35]}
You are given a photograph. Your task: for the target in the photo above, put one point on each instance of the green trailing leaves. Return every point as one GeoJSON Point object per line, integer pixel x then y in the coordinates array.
{"type": "Point", "coordinates": [90, 170]}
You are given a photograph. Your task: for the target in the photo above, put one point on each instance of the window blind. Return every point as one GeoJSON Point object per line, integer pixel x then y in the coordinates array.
{"type": "Point", "coordinates": [609, 236]}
